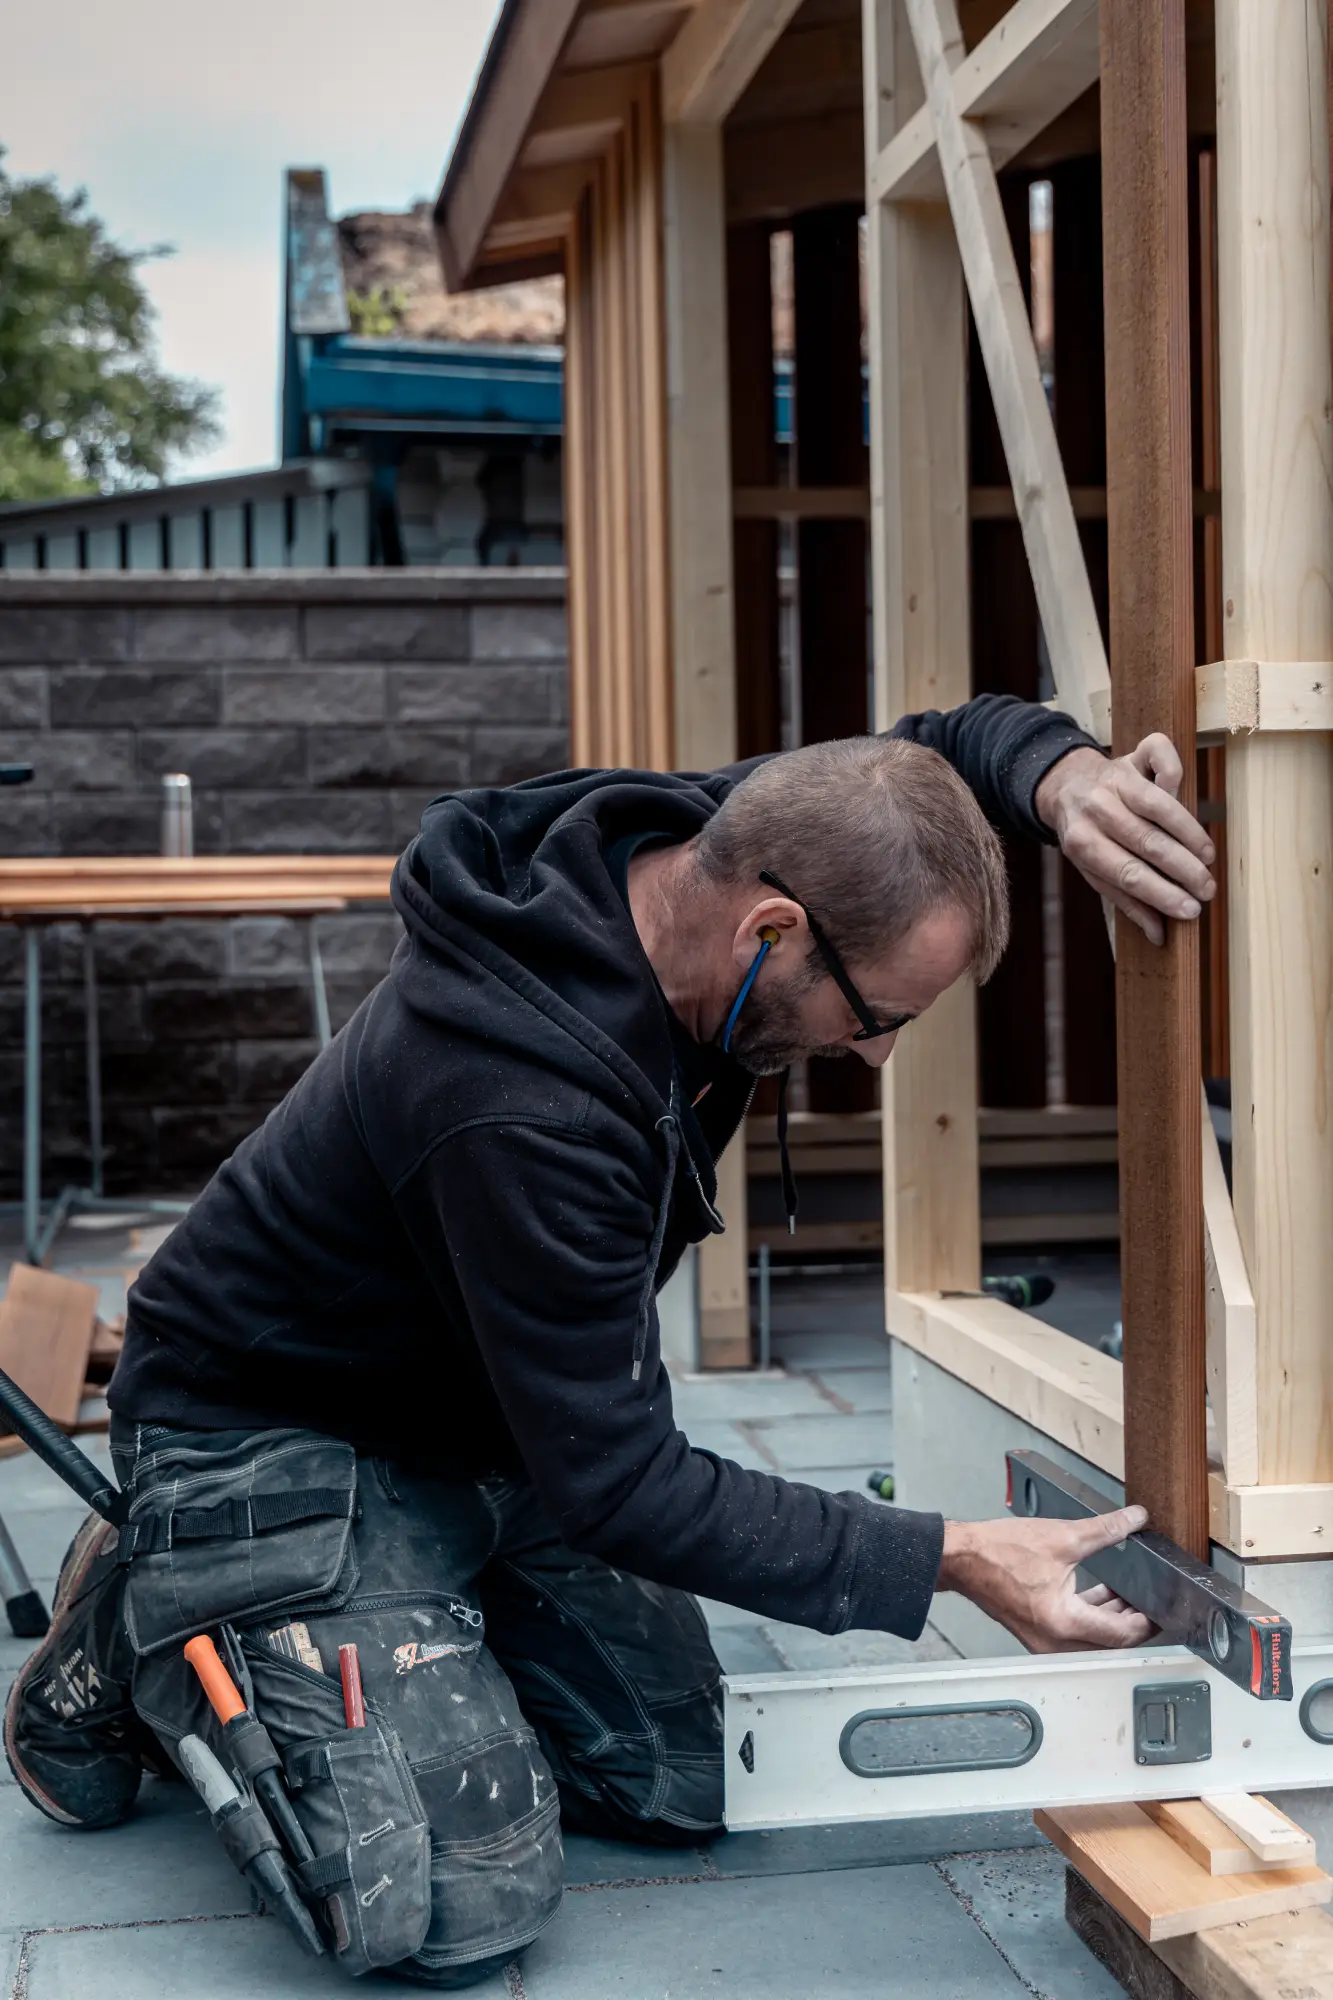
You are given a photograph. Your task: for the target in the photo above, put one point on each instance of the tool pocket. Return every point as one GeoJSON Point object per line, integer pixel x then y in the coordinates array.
{"type": "Point", "coordinates": [236, 1530]}
{"type": "Point", "coordinates": [358, 1802]}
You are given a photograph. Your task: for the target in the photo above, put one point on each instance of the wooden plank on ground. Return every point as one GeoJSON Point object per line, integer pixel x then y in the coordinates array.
{"type": "Point", "coordinates": [46, 1332]}
{"type": "Point", "coordinates": [1269, 1834]}
{"type": "Point", "coordinates": [1156, 1887]}
{"type": "Point", "coordinates": [1209, 1840]}
{"type": "Point", "coordinates": [1145, 219]}
{"type": "Point", "coordinates": [1286, 1957]}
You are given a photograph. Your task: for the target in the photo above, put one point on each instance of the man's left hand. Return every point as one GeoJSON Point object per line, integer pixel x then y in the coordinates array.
{"type": "Point", "coordinates": [1122, 825]}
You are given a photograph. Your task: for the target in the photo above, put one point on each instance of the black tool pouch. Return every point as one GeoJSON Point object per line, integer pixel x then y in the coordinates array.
{"type": "Point", "coordinates": [358, 1802]}
{"type": "Point", "coordinates": [262, 1526]}
{"type": "Point", "coordinates": [256, 1531]}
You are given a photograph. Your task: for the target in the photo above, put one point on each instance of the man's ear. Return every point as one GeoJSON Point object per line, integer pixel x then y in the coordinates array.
{"type": "Point", "coordinates": [769, 922]}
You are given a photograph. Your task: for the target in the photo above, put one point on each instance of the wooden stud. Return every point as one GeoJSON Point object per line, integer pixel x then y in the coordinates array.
{"type": "Point", "coordinates": [1232, 1352]}
{"type": "Point", "coordinates": [1145, 220]}
{"type": "Point", "coordinates": [715, 55]}
{"type": "Point", "coordinates": [754, 458]}
{"type": "Point", "coordinates": [1068, 613]}
{"type": "Point", "coordinates": [701, 548]}
{"type": "Point", "coordinates": [919, 575]}
{"type": "Point", "coordinates": [1277, 553]}
{"type": "Point", "coordinates": [1054, 1382]}
{"type": "Point", "coordinates": [1040, 56]}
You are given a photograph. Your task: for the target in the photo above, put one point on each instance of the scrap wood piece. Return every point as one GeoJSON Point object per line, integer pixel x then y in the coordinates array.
{"type": "Point", "coordinates": [1216, 1846]}
{"type": "Point", "coordinates": [1283, 1957]}
{"type": "Point", "coordinates": [108, 1339]}
{"type": "Point", "coordinates": [46, 1334]}
{"type": "Point", "coordinates": [1266, 1831]}
{"type": "Point", "coordinates": [1156, 1886]}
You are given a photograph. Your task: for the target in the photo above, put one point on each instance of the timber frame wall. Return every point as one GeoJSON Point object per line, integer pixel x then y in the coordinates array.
{"type": "Point", "coordinates": [1211, 117]}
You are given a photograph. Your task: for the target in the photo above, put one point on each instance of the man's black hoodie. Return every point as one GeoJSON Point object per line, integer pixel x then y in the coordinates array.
{"type": "Point", "coordinates": [445, 1243]}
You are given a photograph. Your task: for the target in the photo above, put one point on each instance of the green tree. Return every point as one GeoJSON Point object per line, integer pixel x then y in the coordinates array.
{"type": "Point", "coordinates": [84, 403]}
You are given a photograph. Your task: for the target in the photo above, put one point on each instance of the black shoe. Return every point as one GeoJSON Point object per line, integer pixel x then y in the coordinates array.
{"type": "Point", "coordinates": [71, 1734]}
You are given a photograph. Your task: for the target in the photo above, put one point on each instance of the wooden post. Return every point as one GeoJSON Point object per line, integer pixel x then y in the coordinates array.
{"type": "Point", "coordinates": [919, 571]}
{"type": "Point", "coordinates": [754, 462]}
{"type": "Point", "coordinates": [1277, 558]}
{"type": "Point", "coordinates": [831, 555]}
{"type": "Point", "coordinates": [701, 597]}
{"type": "Point", "coordinates": [1145, 179]}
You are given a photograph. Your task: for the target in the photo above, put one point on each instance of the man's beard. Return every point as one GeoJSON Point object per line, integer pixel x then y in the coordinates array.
{"type": "Point", "coordinates": [768, 1039]}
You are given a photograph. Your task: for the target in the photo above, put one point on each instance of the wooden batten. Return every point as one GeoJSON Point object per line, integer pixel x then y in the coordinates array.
{"type": "Point", "coordinates": [1277, 553]}
{"type": "Point", "coordinates": [621, 710]}
{"type": "Point", "coordinates": [920, 581]}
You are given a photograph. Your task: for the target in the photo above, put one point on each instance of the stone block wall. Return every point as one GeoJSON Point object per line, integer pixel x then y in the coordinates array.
{"type": "Point", "coordinates": [315, 713]}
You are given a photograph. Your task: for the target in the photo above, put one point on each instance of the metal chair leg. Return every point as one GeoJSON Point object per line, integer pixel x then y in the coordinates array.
{"type": "Point", "coordinates": [320, 996]}
{"type": "Point", "coordinates": [28, 1616]}
{"type": "Point", "coordinates": [32, 1094]}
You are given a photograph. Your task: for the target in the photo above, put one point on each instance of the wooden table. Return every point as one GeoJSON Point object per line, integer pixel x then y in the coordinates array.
{"type": "Point", "coordinates": [37, 893]}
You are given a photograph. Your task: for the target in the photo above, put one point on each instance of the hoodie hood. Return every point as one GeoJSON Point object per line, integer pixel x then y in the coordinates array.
{"type": "Point", "coordinates": [510, 889]}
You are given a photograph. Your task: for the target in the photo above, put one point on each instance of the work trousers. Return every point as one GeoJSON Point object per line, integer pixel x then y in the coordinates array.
{"type": "Point", "coordinates": [521, 1684]}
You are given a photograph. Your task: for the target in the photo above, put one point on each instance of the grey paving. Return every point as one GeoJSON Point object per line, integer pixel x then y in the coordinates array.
{"type": "Point", "coordinates": [730, 1441]}
{"type": "Point", "coordinates": [858, 1934]}
{"type": "Point", "coordinates": [760, 1396]}
{"type": "Point", "coordinates": [164, 1862]}
{"type": "Point", "coordinates": [831, 1349]}
{"type": "Point", "coordinates": [799, 1444]}
{"type": "Point", "coordinates": [800, 1850]}
{"type": "Point", "coordinates": [237, 1958]}
{"type": "Point", "coordinates": [1018, 1900]}
{"type": "Point", "coordinates": [591, 1863]}
{"type": "Point", "coordinates": [805, 1651]}
{"type": "Point", "coordinates": [861, 1391]}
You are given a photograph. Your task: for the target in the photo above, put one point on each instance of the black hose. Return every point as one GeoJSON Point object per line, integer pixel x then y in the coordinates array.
{"type": "Point", "coordinates": [61, 1453]}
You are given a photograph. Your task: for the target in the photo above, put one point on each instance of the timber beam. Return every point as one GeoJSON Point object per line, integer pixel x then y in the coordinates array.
{"type": "Point", "coordinates": [716, 54]}
{"type": "Point", "coordinates": [1032, 66]}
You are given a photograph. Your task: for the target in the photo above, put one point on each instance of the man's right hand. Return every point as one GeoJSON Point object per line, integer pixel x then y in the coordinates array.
{"type": "Point", "coordinates": [1022, 1573]}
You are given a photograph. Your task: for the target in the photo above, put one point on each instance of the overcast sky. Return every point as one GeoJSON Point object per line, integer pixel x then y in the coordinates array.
{"type": "Point", "coordinates": [180, 119]}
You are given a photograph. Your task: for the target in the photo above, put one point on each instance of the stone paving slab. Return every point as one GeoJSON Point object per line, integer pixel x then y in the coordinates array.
{"type": "Point", "coordinates": [592, 1863]}
{"type": "Point", "coordinates": [806, 1850]}
{"type": "Point", "coordinates": [724, 1401]}
{"type": "Point", "coordinates": [804, 1651]}
{"type": "Point", "coordinates": [746, 1649]}
{"type": "Point", "coordinates": [42, 1535]}
{"type": "Point", "coordinates": [1019, 1901]}
{"type": "Point", "coordinates": [800, 1444]}
{"type": "Point", "coordinates": [865, 1390]}
{"type": "Point", "coordinates": [164, 1861]}
{"type": "Point", "coordinates": [830, 1348]}
{"type": "Point", "coordinates": [239, 1958]}
{"type": "Point", "coordinates": [858, 1935]}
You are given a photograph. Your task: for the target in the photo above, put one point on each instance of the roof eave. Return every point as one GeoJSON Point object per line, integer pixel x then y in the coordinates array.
{"type": "Point", "coordinates": [526, 44]}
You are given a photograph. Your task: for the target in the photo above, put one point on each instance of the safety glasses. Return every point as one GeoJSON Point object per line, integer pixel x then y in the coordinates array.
{"type": "Point", "coordinates": [870, 1027]}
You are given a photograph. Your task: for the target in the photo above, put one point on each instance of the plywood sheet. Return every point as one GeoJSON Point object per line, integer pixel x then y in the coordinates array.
{"type": "Point", "coordinates": [46, 1332]}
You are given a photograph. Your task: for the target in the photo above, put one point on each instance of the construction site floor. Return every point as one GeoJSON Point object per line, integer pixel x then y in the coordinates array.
{"type": "Point", "coordinates": [960, 1909]}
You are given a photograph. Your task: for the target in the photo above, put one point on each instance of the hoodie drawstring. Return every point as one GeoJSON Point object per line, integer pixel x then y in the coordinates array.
{"type": "Point", "coordinates": [669, 1125]}
{"type": "Point", "coordinates": [790, 1197]}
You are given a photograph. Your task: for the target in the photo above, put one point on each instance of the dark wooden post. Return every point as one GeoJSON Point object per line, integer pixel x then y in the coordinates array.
{"type": "Point", "coordinates": [754, 462]}
{"type": "Point", "coordinates": [831, 451]}
{"type": "Point", "coordinates": [1145, 182]}
{"type": "Point", "coordinates": [833, 576]}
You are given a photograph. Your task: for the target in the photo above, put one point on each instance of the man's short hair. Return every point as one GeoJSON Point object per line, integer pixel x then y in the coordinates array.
{"type": "Point", "coordinates": [873, 834]}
